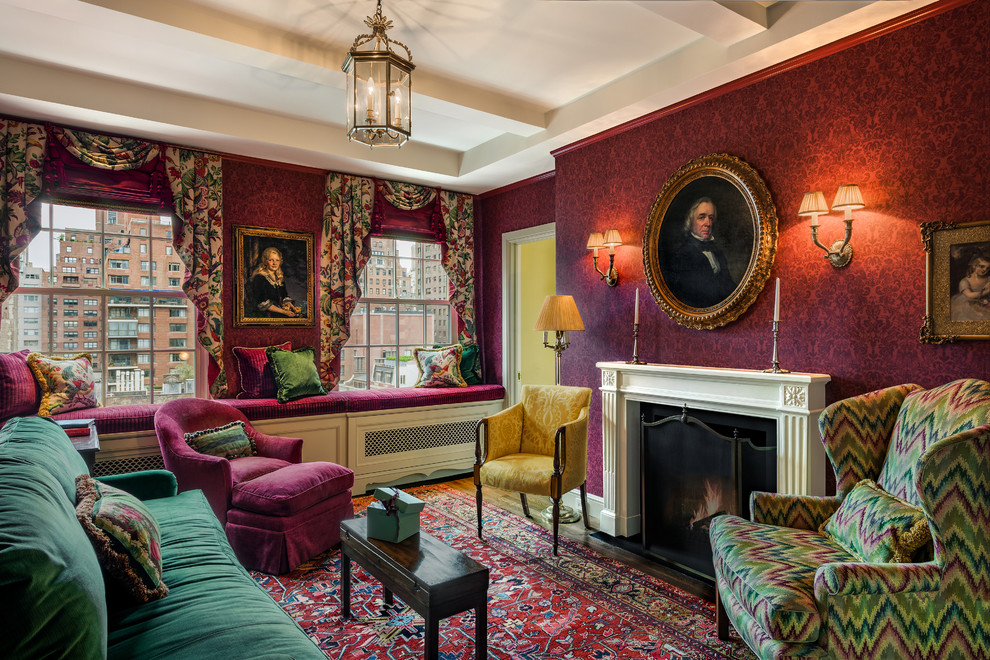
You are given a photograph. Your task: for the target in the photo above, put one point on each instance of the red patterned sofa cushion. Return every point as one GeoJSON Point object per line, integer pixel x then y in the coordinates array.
{"type": "Point", "coordinates": [21, 394]}
{"type": "Point", "coordinates": [406, 397]}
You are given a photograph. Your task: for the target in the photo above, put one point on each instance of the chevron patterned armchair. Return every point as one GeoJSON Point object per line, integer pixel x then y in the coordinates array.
{"type": "Point", "coordinates": [897, 564]}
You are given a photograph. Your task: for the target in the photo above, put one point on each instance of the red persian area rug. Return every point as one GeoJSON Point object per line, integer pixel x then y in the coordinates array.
{"type": "Point", "coordinates": [579, 604]}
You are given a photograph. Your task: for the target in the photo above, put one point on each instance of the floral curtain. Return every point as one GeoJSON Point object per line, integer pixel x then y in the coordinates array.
{"type": "Point", "coordinates": [458, 259]}
{"type": "Point", "coordinates": [22, 151]}
{"type": "Point", "coordinates": [196, 181]}
{"type": "Point", "coordinates": [106, 152]}
{"type": "Point", "coordinates": [344, 252]}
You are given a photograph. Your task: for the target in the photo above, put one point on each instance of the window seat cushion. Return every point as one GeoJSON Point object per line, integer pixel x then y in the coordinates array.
{"type": "Point", "coordinates": [141, 417]}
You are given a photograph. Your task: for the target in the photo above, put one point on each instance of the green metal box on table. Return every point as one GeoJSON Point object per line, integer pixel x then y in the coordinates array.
{"type": "Point", "coordinates": [394, 515]}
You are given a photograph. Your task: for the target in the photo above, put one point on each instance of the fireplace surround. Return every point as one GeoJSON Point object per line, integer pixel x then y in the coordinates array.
{"type": "Point", "coordinates": [792, 401]}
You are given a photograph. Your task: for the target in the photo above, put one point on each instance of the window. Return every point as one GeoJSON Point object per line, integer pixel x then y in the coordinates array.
{"type": "Point", "coordinates": [122, 320]}
{"type": "Point", "coordinates": [173, 281]}
{"type": "Point", "coordinates": [395, 317]}
{"type": "Point", "coordinates": [168, 250]}
{"type": "Point", "coordinates": [144, 264]}
{"type": "Point", "coordinates": [174, 267]}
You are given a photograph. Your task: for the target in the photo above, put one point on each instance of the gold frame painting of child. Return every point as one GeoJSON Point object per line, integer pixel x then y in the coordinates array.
{"type": "Point", "coordinates": [958, 287]}
{"type": "Point", "coordinates": [273, 277]}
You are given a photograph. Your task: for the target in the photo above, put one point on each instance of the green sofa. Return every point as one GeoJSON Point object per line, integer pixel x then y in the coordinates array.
{"type": "Point", "coordinates": [55, 598]}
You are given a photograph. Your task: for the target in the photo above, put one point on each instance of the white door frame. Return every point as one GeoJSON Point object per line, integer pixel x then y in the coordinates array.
{"type": "Point", "coordinates": [511, 309]}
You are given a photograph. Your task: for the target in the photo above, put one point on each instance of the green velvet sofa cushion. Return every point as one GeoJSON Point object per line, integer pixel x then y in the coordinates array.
{"type": "Point", "coordinates": [197, 619]}
{"type": "Point", "coordinates": [51, 585]}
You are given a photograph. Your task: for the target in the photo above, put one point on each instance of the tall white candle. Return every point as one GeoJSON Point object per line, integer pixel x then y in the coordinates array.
{"type": "Point", "coordinates": [776, 303]}
{"type": "Point", "coordinates": [636, 313]}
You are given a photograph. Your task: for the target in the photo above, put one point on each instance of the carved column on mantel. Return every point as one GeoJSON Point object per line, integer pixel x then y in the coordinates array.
{"type": "Point", "coordinates": [793, 400]}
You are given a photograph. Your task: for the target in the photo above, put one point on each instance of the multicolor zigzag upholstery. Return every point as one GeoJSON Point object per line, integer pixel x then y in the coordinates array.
{"type": "Point", "coordinates": [792, 593]}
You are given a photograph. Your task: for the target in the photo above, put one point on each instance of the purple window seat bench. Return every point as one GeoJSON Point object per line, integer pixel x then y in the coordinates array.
{"type": "Point", "coordinates": [137, 418]}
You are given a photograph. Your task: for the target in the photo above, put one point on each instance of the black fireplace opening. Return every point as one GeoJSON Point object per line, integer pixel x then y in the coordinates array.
{"type": "Point", "coordinates": [697, 465]}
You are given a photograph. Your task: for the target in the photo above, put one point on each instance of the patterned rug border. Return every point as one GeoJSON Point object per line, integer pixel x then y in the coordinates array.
{"type": "Point", "coordinates": [616, 611]}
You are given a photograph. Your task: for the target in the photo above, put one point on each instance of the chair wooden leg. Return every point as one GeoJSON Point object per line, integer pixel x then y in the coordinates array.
{"type": "Point", "coordinates": [721, 618]}
{"type": "Point", "coordinates": [584, 505]}
{"type": "Point", "coordinates": [522, 497]}
{"type": "Point", "coordinates": [556, 523]}
{"type": "Point", "coordinates": [478, 497]}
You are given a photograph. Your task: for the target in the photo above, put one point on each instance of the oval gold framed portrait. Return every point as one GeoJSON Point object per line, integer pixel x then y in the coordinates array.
{"type": "Point", "coordinates": [710, 241]}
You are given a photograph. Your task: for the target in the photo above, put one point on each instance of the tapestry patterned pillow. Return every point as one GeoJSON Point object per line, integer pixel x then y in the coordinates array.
{"type": "Point", "coordinates": [254, 371]}
{"type": "Point", "coordinates": [227, 441]}
{"type": "Point", "coordinates": [439, 367]}
{"type": "Point", "coordinates": [125, 535]}
{"type": "Point", "coordinates": [470, 364]}
{"type": "Point", "coordinates": [66, 383]}
{"type": "Point", "coordinates": [295, 373]}
{"type": "Point", "coordinates": [876, 526]}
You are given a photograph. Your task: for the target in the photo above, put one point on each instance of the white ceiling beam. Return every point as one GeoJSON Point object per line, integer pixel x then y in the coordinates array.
{"type": "Point", "coordinates": [233, 36]}
{"type": "Point", "coordinates": [724, 23]}
{"type": "Point", "coordinates": [124, 105]}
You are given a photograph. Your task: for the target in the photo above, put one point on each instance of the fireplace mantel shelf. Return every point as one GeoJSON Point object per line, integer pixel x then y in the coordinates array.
{"type": "Point", "coordinates": [794, 400]}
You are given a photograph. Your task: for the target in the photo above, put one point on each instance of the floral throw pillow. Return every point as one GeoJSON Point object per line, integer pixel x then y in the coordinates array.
{"type": "Point", "coordinates": [439, 367]}
{"type": "Point", "coordinates": [66, 383]}
{"type": "Point", "coordinates": [227, 441]}
{"type": "Point", "coordinates": [876, 526]}
{"type": "Point", "coordinates": [125, 535]}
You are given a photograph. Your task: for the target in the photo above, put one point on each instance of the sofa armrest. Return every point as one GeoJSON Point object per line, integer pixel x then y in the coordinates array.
{"type": "Point", "coordinates": [276, 446]}
{"type": "Point", "coordinates": [794, 511]}
{"type": "Point", "coordinates": [144, 485]}
{"type": "Point", "coordinates": [841, 579]}
{"type": "Point", "coordinates": [574, 461]}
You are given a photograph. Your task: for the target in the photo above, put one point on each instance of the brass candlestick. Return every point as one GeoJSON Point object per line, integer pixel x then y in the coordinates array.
{"type": "Point", "coordinates": [775, 366]}
{"type": "Point", "coordinates": [635, 359]}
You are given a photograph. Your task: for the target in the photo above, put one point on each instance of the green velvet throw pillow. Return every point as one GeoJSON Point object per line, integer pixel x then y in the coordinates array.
{"type": "Point", "coordinates": [295, 373]}
{"type": "Point", "coordinates": [125, 535]}
{"type": "Point", "coordinates": [227, 441]}
{"type": "Point", "coordinates": [876, 526]}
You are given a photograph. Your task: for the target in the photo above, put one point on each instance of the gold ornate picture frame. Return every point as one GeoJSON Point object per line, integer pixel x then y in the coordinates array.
{"type": "Point", "coordinates": [273, 277]}
{"type": "Point", "coordinates": [705, 282]}
{"type": "Point", "coordinates": [957, 282]}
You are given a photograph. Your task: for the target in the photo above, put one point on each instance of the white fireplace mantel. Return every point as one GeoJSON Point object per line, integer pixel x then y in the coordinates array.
{"type": "Point", "coordinates": [793, 400]}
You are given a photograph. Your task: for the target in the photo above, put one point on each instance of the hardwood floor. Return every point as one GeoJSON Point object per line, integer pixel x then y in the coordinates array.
{"type": "Point", "coordinates": [576, 532]}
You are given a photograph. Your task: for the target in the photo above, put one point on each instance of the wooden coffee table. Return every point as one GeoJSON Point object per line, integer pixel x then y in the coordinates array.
{"type": "Point", "coordinates": [430, 577]}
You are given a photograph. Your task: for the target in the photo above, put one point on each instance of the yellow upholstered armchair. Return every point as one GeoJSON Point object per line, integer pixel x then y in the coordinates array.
{"type": "Point", "coordinates": [538, 446]}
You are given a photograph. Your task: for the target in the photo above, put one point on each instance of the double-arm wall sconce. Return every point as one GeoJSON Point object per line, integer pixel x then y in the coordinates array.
{"type": "Point", "coordinates": [848, 199]}
{"type": "Point", "coordinates": [610, 240]}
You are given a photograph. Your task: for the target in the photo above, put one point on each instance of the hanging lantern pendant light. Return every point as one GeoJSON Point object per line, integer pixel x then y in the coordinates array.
{"type": "Point", "coordinates": [379, 86]}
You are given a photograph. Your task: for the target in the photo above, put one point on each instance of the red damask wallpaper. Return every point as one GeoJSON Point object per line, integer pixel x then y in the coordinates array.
{"type": "Point", "coordinates": [264, 195]}
{"type": "Point", "coordinates": [905, 116]}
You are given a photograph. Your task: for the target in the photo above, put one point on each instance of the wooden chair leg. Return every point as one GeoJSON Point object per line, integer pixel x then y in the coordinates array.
{"type": "Point", "coordinates": [522, 497]}
{"type": "Point", "coordinates": [584, 505]}
{"type": "Point", "coordinates": [556, 523]}
{"type": "Point", "coordinates": [721, 618]}
{"type": "Point", "coordinates": [478, 497]}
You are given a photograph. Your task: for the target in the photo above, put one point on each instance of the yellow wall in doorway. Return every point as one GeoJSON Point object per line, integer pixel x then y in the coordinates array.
{"type": "Point", "coordinates": [537, 281]}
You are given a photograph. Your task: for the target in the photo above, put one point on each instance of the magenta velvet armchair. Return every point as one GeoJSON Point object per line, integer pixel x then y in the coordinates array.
{"type": "Point", "coordinates": [277, 511]}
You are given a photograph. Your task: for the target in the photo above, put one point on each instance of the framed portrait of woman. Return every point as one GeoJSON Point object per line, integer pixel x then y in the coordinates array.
{"type": "Point", "coordinates": [273, 277]}
{"type": "Point", "coordinates": [957, 300]}
{"type": "Point", "coordinates": [710, 241]}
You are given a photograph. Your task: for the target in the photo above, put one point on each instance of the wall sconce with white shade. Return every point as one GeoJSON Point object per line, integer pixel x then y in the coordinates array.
{"type": "Point", "coordinates": [847, 199]}
{"type": "Point", "coordinates": [610, 240]}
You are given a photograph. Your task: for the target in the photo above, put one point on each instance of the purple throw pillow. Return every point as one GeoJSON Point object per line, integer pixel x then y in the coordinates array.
{"type": "Point", "coordinates": [257, 380]}
{"type": "Point", "coordinates": [21, 394]}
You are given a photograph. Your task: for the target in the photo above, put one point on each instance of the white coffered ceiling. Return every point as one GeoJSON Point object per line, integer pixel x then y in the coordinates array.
{"type": "Point", "coordinates": [499, 84]}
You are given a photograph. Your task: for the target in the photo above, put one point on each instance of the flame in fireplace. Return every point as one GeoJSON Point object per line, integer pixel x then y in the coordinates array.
{"type": "Point", "coordinates": [711, 505]}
